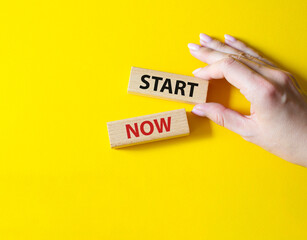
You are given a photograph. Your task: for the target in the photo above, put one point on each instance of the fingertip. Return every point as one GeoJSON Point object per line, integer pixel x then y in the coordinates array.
{"type": "Point", "coordinates": [198, 110]}
{"type": "Point", "coordinates": [196, 71]}
{"type": "Point", "coordinates": [229, 38]}
{"type": "Point", "coordinates": [193, 46]}
{"type": "Point", "coordinates": [204, 37]}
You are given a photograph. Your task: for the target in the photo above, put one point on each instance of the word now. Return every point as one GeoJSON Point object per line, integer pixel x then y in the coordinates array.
{"type": "Point", "coordinates": [159, 127]}
{"type": "Point", "coordinates": [148, 128]}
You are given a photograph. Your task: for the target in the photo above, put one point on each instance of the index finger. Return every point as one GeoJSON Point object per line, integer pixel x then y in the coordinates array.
{"type": "Point", "coordinates": [251, 84]}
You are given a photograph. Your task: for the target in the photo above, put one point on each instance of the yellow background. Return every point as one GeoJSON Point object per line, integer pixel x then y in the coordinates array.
{"type": "Point", "coordinates": [64, 73]}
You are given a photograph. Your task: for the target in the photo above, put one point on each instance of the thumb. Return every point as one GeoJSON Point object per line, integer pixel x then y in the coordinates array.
{"type": "Point", "coordinates": [225, 117]}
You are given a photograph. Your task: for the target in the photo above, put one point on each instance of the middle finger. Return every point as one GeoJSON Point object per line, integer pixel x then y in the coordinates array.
{"type": "Point", "coordinates": [209, 55]}
{"type": "Point", "coordinates": [217, 45]}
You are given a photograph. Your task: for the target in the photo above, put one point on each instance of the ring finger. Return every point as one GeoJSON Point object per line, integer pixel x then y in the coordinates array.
{"type": "Point", "coordinates": [209, 55]}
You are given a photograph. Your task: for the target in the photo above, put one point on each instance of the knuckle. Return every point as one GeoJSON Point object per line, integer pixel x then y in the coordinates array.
{"type": "Point", "coordinates": [269, 91]}
{"type": "Point", "coordinates": [255, 60]}
{"type": "Point", "coordinates": [219, 45]}
{"type": "Point", "coordinates": [205, 50]}
{"type": "Point", "coordinates": [228, 61]}
{"type": "Point", "coordinates": [259, 65]}
{"type": "Point", "coordinates": [220, 120]}
{"type": "Point", "coordinates": [282, 77]}
{"type": "Point", "coordinates": [250, 57]}
{"type": "Point", "coordinates": [219, 117]}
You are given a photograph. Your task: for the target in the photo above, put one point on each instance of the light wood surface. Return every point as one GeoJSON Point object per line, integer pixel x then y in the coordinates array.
{"type": "Point", "coordinates": [167, 85]}
{"type": "Point", "coordinates": [148, 128]}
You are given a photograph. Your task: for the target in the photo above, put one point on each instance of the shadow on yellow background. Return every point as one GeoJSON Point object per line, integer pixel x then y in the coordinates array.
{"type": "Point", "coordinates": [219, 91]}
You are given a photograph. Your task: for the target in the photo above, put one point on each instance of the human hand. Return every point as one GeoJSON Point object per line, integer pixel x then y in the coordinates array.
{"type": "Point", "coordinates": [278, 113]}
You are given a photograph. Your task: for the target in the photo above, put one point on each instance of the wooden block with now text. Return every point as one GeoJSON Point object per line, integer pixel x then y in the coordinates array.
{"type": "Point", "coordinates": [148, 128]}
{"type": "Point", "coordinates": [167, 85]}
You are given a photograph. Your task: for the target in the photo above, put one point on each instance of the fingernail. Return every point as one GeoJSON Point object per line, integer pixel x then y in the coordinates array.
{"type": "Point", "coordinates": [193, 46]}
{"type": "Point", "coordinates": [196, 70]}
{"type": "Point", "coordinates": [198, 111]}
{"type": "Point", "coordinates": [205, 37]}
{"type": "Point", "coordinates": [229, 38]}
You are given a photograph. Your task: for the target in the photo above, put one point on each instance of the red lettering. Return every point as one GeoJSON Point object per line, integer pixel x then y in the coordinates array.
{"type": "Point", "coordinates": [134, 131]}
{"type": "Point", "coordinates": [151, 127]}
{"type": "Point", "coordinates": [159, 125]}
{"type": "Point", "coordinates": [163, 123]}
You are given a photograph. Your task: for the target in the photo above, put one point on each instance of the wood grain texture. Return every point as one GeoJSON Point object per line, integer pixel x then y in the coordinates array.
{"type": "Point", "coordinates": [167, 85]}
{"type": "Point", "coordinates": [148, 128]}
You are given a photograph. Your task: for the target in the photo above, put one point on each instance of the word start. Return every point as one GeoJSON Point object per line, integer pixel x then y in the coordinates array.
{"type": "Point", "coordinates": [179, 86]}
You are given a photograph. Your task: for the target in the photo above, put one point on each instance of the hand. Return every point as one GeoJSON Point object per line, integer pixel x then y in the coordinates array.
{"type": "Point", "coordinates": [278, 114]}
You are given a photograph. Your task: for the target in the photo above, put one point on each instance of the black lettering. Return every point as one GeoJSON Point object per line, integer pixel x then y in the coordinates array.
{"type": "Point", "coordinates": [167, 85]}
{"type": "Point", "coordinates": [177, 87]}
{"type": "Point", "coordinates": [192, 88]}
{"type": "Point", "coordinates": [144, 81]}
{"type": "Point", "coordinates": [157, 79]}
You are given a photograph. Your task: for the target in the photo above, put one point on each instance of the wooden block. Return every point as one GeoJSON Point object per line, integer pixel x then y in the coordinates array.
{"type": "Point", "coordinates": [148, 128]}
{"type": "Point", "coordinates": [167, 85]}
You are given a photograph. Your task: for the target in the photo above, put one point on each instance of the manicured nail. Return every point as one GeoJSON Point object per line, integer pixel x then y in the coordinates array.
{"type": "Point", "coordinates": [196, 70]}
{"type": "Point", "coordinates": [205, 37]}
{"type": "Point", "coordinates": [198, 112]}
{"type": "Point", "coordinates": [229, 38]}
{"type": "Point", "coordinates": [193, 46]}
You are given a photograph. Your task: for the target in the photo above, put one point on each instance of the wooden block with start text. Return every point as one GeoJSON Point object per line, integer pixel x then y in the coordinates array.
{"type": "Point", "coordinates": [148, 128]}
{"type": "Point", "coordinates": [167, 85]}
